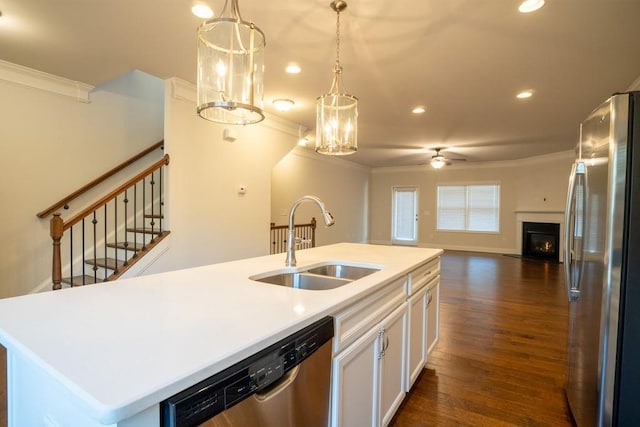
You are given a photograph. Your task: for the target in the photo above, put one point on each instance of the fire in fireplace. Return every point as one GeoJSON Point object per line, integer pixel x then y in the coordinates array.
{"type": "Point", "coordinates": [541, 240]}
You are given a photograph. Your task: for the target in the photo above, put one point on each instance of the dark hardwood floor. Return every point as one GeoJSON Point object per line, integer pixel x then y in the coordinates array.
{"type": "Point", "coordinates": [501, 355]}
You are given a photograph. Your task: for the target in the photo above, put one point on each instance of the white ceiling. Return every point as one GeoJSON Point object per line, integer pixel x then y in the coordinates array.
{"type": "Point", "coordinates": [465, 60]}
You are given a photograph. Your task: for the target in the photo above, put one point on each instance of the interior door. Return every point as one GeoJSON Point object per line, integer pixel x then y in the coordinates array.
{"type": "Point", "coordinates": [404, 218]}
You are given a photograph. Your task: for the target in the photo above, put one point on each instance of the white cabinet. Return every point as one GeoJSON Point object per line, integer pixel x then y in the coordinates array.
{"type": "Point", "coordinates": [433, 315]}
{"type": "Point", "coordinates": [367, 383]}
{"type": "Point", "coordinates": [380, 347]}
{"type": "Point", "coordinates": [421, 332]}
{"type": "Point", "coordinates": [417, 343]}
{"type": "Point", "coordinates": [392, 364]}
{"type": "Point", "coordinates": [354, 382]}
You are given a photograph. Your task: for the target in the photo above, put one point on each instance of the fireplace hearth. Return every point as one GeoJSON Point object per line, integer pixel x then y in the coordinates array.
{"type": "Point", "coordinates": [541, 240]}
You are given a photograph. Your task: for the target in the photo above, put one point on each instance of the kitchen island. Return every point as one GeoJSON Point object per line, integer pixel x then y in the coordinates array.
{"type": "Point", "coordinates": [108, 354]}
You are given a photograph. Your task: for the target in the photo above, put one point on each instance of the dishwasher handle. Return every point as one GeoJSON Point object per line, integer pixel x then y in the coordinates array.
{"type": "Point", "coordinates": [280, 385]}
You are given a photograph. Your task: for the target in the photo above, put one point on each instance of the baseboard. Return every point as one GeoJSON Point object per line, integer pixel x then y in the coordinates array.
{"type": "Point", "coordinates": [485, 249]}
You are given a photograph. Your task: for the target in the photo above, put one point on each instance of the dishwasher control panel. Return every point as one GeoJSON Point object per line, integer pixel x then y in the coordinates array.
{"type": "Point", "coordinates": [240, 381]}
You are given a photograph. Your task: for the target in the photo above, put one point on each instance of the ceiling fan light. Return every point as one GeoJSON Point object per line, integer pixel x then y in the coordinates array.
{"type": "Point", "coordinates": [230, 69]}
{"type": "Point", "coordinates": [437, 162]}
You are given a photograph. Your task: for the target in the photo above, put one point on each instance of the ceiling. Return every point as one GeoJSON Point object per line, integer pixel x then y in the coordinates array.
{"type": "Point", "coordinates": [464, 60]}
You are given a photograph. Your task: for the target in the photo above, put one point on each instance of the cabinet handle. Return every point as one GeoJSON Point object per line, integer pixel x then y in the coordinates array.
{"type": "Point", "coordinates": [386, 347]}
{"type": "Point", "coordinates": [381, 333]}
{"type": "Point", "coordinates": [429, 297]}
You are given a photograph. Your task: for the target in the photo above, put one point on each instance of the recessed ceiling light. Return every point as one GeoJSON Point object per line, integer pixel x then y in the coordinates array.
{"type": "Point", "coordinates": [283, 104]}
{"type": "Point", "coordinates": [418, 110]}
{"type": "Point", "coordinates": [202, 11]}
{"type": "Point", "coordinates": [525, 94]}
{"type": "Point", "coordinates": [528, 6]}
{"type": "Point", "coordinates": [293, 69]}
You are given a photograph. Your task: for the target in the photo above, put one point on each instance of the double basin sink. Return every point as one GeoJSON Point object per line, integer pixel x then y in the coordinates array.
{"type": "Point", "coordinates": [321, 277]}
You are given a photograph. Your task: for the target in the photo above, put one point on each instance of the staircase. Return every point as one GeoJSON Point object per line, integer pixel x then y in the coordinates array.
{"type": "Point", "coordinates": [108, 237]}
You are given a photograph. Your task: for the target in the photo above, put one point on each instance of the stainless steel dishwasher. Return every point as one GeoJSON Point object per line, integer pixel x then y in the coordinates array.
{"type": "Point", "coordinates": [286, 384]}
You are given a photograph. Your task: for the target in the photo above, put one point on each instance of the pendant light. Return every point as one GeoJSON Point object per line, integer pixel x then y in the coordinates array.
{"type": "Point", "coordinates": [337, 111]}
{"type": "Point", "coordinates": [230, 68]}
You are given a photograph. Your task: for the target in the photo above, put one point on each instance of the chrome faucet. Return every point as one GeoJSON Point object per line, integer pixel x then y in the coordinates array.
{"type": "Point", "coordinates": [291, 239]}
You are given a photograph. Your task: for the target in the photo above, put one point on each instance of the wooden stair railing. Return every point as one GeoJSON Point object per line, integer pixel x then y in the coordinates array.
{"type": "Point", "coordinates": [305, 232]}
{"type": "Point", "coordinates": [65, 201]}
{"type": "Point", "coordinates": [103, 230]}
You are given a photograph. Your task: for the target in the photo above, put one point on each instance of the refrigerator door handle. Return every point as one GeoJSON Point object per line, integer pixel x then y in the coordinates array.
{"type": "Point", "coordinates": [572, 282]}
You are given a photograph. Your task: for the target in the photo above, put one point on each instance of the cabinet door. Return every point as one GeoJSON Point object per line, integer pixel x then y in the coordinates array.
{"type": "Point", "coordinates": [417, 333]}
{"type": "Point", "coordinates": [355, 383]}
{"type": "Point", "coordinates": [433, 317]}
{"type": "Point", "coordinates": [392, 364]}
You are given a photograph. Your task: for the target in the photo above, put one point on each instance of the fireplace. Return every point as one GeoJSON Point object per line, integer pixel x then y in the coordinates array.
{"type": "Point", "coordinates": [541, 240]}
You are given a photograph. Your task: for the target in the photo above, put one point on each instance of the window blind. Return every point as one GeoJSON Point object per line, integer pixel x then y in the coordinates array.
{"type": "Point", "coordinates": [469, 207]}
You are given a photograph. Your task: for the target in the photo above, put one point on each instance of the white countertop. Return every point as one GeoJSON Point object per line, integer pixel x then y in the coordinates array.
{"type": "Point", "coordinates": [122, 347]}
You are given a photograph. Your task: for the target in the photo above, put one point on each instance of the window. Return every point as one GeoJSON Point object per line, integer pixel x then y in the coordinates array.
{"type": "Point", "coordinates": [469, 207]}
{"type": "Point", "coordinates": [404, 228]}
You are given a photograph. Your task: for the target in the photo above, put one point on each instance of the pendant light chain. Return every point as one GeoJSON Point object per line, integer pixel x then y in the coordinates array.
{"type": "Point", "coordinates": [338, 39]}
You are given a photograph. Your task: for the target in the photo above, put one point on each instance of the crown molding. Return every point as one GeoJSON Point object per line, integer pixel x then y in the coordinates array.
{"type": "Point", "coordinates": [187, 91]}
{"type": "Point", "coordinates": [29, 77]}
{"type": "Point", "coordinates": [562, 155]}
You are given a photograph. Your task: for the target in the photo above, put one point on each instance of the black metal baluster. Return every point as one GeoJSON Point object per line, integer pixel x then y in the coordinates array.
{"type": "Point", "coordinates": [125, 243]}
{"type": "Point", "coordinates": [84, 252]}
{"type": "Point", "coordinates": [144, 210]}
{"type": "Point", "coordinates": [104, 242]}
{"type": "Point", "coordinates": [153, 219]}
{"type": "Point", "coordinates": [115, 232]}
{"type": "Point", "coordinates": [95, 249]}
{"type": "Point", "coordinates": [135, 218]}
{"type": "Point", "coordinates": [161, 206]}
{"type": "Point", "coordinates": [71, 253]}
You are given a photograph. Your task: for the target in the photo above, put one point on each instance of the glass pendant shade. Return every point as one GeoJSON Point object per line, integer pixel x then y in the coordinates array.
{"type": "Point", "coordinates": [230, 69]}
{"type": "Point", "coordinates": [337, 111]}
{"type": "Point", "coordinates": [336, 120]}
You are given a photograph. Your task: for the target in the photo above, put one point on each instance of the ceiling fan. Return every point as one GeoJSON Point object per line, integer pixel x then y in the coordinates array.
{"type": "Point", "coordinates": [439, 160]}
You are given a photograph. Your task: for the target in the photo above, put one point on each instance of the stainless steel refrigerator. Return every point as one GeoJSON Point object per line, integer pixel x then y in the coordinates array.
{"type": "Point", "coordinates": [602, 266]}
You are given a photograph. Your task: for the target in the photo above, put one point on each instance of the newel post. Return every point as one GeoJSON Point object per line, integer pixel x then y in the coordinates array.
{"type": "Point", "coordinates": [56, 231]}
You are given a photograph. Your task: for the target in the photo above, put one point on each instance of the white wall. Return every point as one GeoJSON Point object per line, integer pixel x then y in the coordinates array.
{"type": "Point", "coordinates": [209, 221]}
{"type": "Point", "coordinates": [341, 185]}
{"type": "Point", "coordinates": [536, 184]}
{"type": "Point", "coordinates": [52, 144]}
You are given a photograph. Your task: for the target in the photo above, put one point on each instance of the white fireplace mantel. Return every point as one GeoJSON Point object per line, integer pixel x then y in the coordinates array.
{"type": "Point", "coordinates": [553, 217]}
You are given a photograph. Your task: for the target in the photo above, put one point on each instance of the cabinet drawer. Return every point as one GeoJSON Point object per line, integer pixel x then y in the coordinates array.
{"type": "Point", "coordinates": [423, 275]}
{"type": "Point", "coordinates": [354, 321]}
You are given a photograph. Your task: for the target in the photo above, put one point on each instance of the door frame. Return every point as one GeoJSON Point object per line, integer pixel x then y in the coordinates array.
{"type": "Point", "coordinates": [416, 191]}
